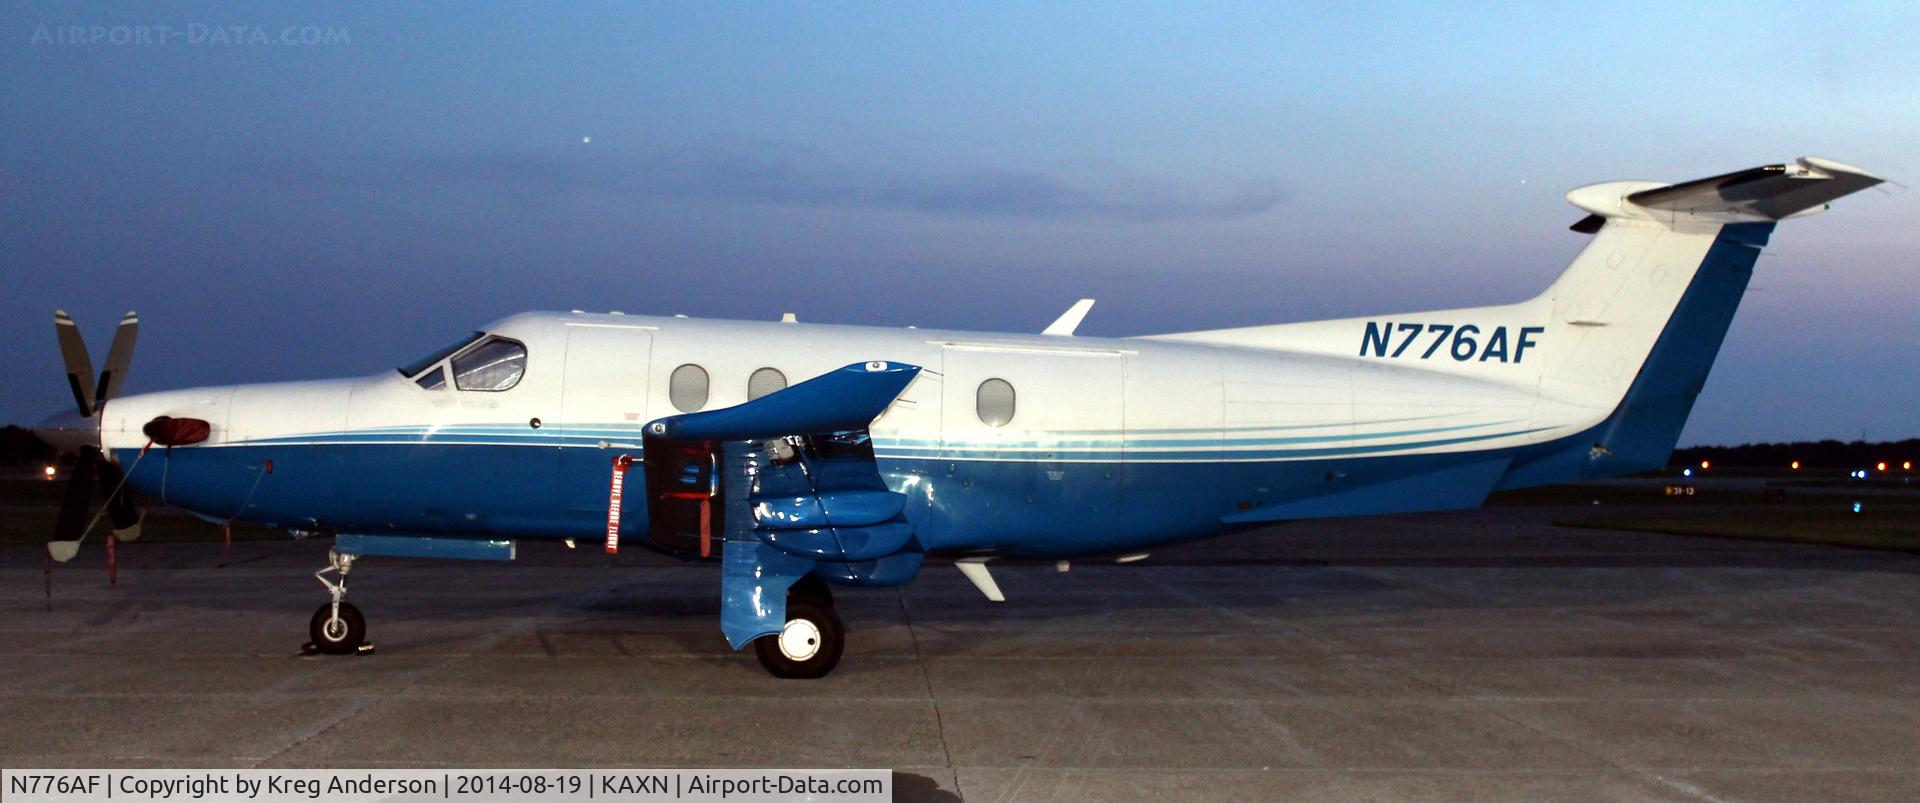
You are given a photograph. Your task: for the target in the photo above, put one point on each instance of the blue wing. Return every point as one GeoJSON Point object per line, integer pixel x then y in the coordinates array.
{"type": "Point", "coordinates": [800, 492]}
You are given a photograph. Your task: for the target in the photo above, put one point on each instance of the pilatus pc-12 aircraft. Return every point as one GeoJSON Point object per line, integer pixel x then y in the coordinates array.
{"type": "Point", "coordinates": [801, 456]}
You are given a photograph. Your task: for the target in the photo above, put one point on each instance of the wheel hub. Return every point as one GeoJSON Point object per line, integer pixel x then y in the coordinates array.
{"type": "Point", "coordinates": [800, 640]}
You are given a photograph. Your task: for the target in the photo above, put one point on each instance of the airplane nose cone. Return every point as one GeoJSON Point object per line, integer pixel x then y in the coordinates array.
{"type": "Point", "coordinates": [69, 431]}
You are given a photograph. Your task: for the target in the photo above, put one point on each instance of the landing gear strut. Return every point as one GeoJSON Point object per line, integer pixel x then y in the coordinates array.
{"type": "Point", "coordinates": [337, 627]}
{"type": "Point", "coordinates": [810, 645]}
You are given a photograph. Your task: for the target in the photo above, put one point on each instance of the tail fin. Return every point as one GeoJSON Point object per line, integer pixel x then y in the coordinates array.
{"type": "Point", "coordinates": [1628, 331]}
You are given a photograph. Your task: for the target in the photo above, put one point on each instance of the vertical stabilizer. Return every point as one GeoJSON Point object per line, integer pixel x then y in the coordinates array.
{"type": "Point", "coordinates": [1622, 341]}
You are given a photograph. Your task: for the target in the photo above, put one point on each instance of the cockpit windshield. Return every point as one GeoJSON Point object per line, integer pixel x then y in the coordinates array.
{"type": "Point", "coordinates": [414, 368]}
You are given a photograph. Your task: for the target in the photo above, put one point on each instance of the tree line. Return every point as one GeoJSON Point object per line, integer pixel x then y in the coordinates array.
{"type": "Point", "coordinates": [1811, 454]}
{"type": "Point", "coordinates": [19, 447]}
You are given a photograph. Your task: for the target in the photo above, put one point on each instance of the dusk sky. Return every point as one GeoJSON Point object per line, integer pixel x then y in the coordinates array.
{"type": "Point", "coordinates": [287, 211]}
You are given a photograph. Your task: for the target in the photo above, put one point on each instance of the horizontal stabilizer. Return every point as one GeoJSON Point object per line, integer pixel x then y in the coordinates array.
{"type": "Point", "coordinates": [1760, 194]}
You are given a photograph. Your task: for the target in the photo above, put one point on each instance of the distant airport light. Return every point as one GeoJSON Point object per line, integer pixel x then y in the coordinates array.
{"type": "Point", "coordinates": [1796, 465]}
{"type": "Point", "coordinates": [1686, 472]}
{"type": "Point", "coordinates": [1704, 465]}
{"type": "Point", "coordinates": [1882, 466]}
{"type": "Point", "coordinates": [1856, 507]}
{"type": "Point", "coordinates": [1906, 465]}
{"type": "Point", "coordinates": [50, 471]}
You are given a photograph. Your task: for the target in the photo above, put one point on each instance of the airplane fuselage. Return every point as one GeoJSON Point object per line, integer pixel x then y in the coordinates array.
{"type": "Point", "coordinates": [1108, 445]}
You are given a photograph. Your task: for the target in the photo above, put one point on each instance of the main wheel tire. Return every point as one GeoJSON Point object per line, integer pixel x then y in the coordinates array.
{"type": "Point", "coordinates": [341, 637]}
{"type": "Point", "coordinates": [811, 586]}
{"type": "Point", "coordinates": [810, 645]}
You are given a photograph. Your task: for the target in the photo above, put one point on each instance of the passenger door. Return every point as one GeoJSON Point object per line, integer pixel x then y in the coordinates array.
{"type": "Point", "coordinates": [602, 409]}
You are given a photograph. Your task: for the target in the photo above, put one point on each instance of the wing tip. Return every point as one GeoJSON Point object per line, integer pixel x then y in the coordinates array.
{"type": "Point", "coordinates": [1825, 165]}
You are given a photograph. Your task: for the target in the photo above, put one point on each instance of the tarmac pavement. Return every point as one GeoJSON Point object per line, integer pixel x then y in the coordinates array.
{"type": "Point", "coordinates": [1484, 655]}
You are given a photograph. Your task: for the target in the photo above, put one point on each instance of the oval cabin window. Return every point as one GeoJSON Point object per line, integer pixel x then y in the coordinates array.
{"type": "Point", "coordinates": [994, 402]}
{"type": "Point", "coordinates": [687, 388]}
{"type": "Point", "coordinates": [765, 381]}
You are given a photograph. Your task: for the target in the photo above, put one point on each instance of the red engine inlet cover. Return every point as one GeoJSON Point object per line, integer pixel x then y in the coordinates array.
{"type": "Point", "coordinates": [167, 431]}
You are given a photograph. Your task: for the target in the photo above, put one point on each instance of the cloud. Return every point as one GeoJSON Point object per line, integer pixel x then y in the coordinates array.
{"type": "Point", "coordinates": [759, 172]}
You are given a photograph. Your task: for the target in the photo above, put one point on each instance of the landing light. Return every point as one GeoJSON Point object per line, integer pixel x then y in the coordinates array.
{"type": "Point", "coordinates": [50, 471]}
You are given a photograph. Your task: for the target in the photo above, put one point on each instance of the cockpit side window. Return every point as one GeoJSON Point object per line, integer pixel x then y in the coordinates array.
{"type": "Point", "coordinates": [493, 366]}
{"type": "Point", "coordinates": [414, 368]}
{"type": "Point", "coordinates": [434, 379]}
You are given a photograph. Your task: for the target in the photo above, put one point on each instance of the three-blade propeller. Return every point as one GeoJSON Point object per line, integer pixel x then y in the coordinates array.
{"type": "Point", "coordinates": [92, 467]}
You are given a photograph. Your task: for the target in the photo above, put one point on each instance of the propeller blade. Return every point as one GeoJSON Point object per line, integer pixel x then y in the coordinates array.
{"type": "Point", "coordinates": [119, 358]}
{"type": "Point", "coordinates": [131, 532]}
{"type": "Point", "coordinates": [78, 499]}
{"type": "Point", "coordinates": [73, 350]}
{"type": "Point", "coordinates": [121, 511]}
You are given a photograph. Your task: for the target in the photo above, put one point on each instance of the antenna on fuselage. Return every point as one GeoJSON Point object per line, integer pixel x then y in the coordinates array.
{"type": "Point", "coordinates": [1068, 321]}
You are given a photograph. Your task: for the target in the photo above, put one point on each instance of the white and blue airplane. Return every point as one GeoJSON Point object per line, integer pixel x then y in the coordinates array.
{"type": "Point", "coordinates": [893, 443]}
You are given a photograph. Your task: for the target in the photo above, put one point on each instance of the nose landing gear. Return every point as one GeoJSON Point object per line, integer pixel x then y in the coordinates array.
{"type": "Point", "coordinates": [337, 628]}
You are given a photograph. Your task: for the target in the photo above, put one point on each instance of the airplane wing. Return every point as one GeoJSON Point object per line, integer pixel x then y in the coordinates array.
{"type": "Point", "coordinates": [798, 489]}
{"type": "Point", "coordinates": [842, 400]}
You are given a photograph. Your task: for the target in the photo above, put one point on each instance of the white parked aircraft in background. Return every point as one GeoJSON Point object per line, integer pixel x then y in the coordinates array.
{"type": "Point", "coordinates": [890, 444]}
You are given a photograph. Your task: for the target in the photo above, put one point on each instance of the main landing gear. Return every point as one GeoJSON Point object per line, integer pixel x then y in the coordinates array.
{"type": "Point", "coordinates": [337, 627]}
{"type": "Point", "coordinates": [810, 645]}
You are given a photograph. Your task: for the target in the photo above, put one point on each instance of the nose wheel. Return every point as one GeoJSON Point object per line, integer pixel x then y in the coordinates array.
{"type": "Point", "coordinates": [337, 628]}
{"type": "Point", "coordinates": [810, 644]}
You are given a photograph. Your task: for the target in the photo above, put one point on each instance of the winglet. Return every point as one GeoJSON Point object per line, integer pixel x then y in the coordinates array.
{"type": "Point", "coordinates": [1069, 320]}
